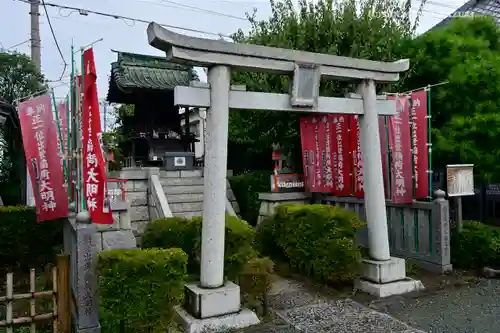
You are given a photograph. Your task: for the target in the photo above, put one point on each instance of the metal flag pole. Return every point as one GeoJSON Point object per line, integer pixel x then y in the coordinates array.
{"type": "Point", "coordinates": [74, 137]}
{"type": "Point", "coordinates": [412, 145]}
{"type": "Point", "coordinates": [68, 139]}
{"type": "Point", "coordinates": [429, 139]}
{"type": "Point", "coordinates": [82, 110]}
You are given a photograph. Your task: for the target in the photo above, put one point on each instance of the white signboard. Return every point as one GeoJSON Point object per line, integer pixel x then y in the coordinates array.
{"type": "Point", "coordinates": [460, 180]}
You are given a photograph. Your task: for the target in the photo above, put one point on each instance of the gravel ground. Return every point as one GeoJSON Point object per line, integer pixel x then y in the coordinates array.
{"type": "Point", "coordinates": [469, 309]}
{"type": "Point", "coordinates": [295, 308]}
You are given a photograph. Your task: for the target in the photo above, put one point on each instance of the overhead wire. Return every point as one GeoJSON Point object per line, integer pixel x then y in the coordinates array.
{"type": "Point", "coordinates": [205, 10]}
{"type": "Point", "coordinates": [86, 12]}
{"type": "Point", "coordinates": [55, 40]}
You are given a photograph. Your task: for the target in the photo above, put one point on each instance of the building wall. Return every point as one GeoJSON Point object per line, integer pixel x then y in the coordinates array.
{"type": "Point", "coordinates": [197, 125]}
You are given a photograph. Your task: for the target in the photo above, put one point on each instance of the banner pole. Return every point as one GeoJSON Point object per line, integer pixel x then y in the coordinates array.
{"type": "Point", "coordinates": [71, 119]}
{"type": "Point", "coordinates": [412, 145]}
{"type": "Point", "coordinates": [388, 157]}
{"type": "Point", "coordinates": [84, 204]}
{"type": "Point", "coordinates": [68, 147]}
{"type": "Point", "coordinates": [60, 134]}
{"type": "Point", "coordinates": [429, 139]}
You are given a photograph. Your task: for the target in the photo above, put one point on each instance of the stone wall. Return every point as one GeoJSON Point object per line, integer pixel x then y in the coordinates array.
{"type": "Point", "coordinates": [270, 200]}
{"type": "Point", "coordinates": [118, 235]}
{"type": "Point", "coordinates": [136, 195]}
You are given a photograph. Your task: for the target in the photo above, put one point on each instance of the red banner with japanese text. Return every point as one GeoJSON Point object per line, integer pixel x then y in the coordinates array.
{"type": "Point", "coordinates": [94, 167]}
{"type": "Point", "coordinates": [62, 110]}
{"type": "Point", "coordinates": [39, 135]}
{"type": "Point", "coordinates": [307, 144]}
{"type": "Point", "coordinates": [318, 154]}
{"type": "Point", "coordinates": [356, 156]}
{"type": "Point", "coordinates": [341, 155]}
{"type": "Point", "coordinates": [327, 131]}
{"type": "Point", "coordinates": [420, 149]}
{"type": "Point", "coordinates": [326, 174]}
{"type": "Point", "coordinates": [384, 154]}
{"type": "Point", "coordinates": [400, 143]}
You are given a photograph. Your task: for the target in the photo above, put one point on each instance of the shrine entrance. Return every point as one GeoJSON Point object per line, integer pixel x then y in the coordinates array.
{"type": "Point", "coordinates": [213, 297]}
{"type": "Point", "coordinates": [153, 123]}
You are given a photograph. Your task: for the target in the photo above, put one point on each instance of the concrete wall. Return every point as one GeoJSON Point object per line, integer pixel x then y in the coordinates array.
{"type": "Point", "coordinates": [270, 200]}
{"type": "Point", "coordinates": [136, 195]}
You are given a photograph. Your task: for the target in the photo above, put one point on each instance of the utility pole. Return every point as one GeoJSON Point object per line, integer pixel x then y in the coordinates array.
{"type": "Point", "coordinates": [35, 33]}
{"type": "Point", "coordinates": [37, 61]}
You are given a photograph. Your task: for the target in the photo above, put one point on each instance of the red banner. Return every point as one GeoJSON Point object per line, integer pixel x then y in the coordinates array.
{"type": "Point", "coordinates": [341, 156]}
{"type": "Point", "coordinates": [62, 110]}
{"type": "Point", "coordinates": [400, 143]}
{"type": "Point", "coordinates": [328, 137]}
{"type": "Point", "coordinates": [94, 167]}
{"type": "Point", "coordinates": [420, 149]}
{"type": "Point", "coordinates": [44, 164]}
{"type": "Point", "coordinates": [318, 152]}
{"type": "Point", "coordinates": [384, 154]}
{"type": "Point", "coordinates": [306, 136]}
{"type": "Point", "coordinates": [356, 157]}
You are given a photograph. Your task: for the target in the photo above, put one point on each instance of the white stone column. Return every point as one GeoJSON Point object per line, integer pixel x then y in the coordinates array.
{"type": "Point", "coordinates": [214, 203]}
{"type": "Point", "coordinates": [378, 238]}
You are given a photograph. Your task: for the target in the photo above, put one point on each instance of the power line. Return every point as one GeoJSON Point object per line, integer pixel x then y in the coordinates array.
{"type": "Point", "coordinates": [86, 12]}
{"type": "Point", "coordinates": [18, 44]}
{"type": "Point", "coordinates": [55, 40]}
{"type": "Point", "coordinates": [178, 5]}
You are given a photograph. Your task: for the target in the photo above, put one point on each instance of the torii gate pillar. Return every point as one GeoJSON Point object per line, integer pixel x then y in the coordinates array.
{"type": "Point", "coordinates": [215, 303]}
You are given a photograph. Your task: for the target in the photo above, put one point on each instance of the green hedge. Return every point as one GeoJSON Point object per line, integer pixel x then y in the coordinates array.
{"type": "Point", "coordinates": [24, 243]}
{"type": "Point", "coordinates": [316, 240]}
{"type": "Point", "coordinates": [246, 188]}
{"type": "Point", "coordinates": [186, 234]}
{"type": "Point", "coordinates": [139, 287]}
{"type": "Point", "coordinates": [476, 246]}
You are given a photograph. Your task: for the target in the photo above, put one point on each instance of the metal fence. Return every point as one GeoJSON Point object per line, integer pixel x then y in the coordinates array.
{"type": "Point", "coordinates": [419, 232]}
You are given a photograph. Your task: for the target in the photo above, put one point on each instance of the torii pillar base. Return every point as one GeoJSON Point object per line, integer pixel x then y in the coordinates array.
{"type": "Point", "coordinates": [214, 310]}
{"type": "Point", "coordinates": [386, 278]}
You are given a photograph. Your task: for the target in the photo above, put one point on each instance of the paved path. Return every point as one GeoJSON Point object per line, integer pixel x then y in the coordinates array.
{"type": "Point", "coordinates": [468, 309]}
{"type": "Point", "coordinates": [297, 309]}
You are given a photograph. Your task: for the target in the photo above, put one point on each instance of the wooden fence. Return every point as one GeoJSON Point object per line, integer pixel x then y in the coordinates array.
{"type": "Point", "coordinates": [419, 232]}
{"type": "Point", "coordinates": [59, 313]}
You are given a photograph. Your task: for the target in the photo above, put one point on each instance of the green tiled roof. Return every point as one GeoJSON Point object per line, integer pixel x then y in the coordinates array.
{"type": "Point", "coordinates": [143, 72]}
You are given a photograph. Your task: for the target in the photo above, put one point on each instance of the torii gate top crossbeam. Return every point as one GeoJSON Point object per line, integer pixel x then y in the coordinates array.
{"type": "Point", "coordinates": [207, 52]}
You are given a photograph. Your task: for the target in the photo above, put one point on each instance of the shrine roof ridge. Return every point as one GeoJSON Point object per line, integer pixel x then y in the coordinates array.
{"type": "Point", "coordinates": [187, 49]}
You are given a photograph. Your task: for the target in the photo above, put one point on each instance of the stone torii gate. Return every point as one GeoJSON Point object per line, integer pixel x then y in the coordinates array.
{"type": "Point", "coordinates": [215, 302]}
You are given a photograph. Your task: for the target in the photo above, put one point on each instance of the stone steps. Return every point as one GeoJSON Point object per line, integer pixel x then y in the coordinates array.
{"type": "Point", "coordinates": [184, 192]}
{"type": "Point", "coordinates": [188, 215]}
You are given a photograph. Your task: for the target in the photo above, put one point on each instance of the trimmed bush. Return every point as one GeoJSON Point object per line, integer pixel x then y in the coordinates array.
{"type": "Point", "coordinates": [246, 188]}
{"type": "Point", "coordinates": [315, 240]}
{"type": "Point", "coordinates": [476, 246]}
{"type": "Point", "coordinates": [255, 282]}
{"type": "Point", "coordinates": [186, 234]}
{"type": "Point", "coordinates": [24, 243]}
{"type": "Point", "coordinates": [139, 287]}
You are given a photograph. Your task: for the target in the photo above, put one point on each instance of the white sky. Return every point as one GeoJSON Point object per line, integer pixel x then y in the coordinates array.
{"type": "Point", "coordinates": [127, 36]}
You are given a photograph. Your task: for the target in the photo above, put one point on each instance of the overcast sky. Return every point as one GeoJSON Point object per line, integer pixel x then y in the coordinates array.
{"type": "Point", "coordinates": [117, 34]}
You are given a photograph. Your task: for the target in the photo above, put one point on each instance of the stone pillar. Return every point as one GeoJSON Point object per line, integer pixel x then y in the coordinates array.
{"type": "Point", "coordinates": [214, 304]}
{"type": "Point", "coordinates": [214, 205]}
{"type": "Point", "coordinates": [378, 237]}
{"type": "Point", "coordinates": [85, 284]}
{"type": "Point", "coordinates": [382, 274]}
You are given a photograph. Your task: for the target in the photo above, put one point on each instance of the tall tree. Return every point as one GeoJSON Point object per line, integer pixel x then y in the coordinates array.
{"type": "Point", "coordinates": [465, 120]}
{"type": "Point", "coordinates": [370, 29]}
{"type": "Point", "coordinates": [18, 78]}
